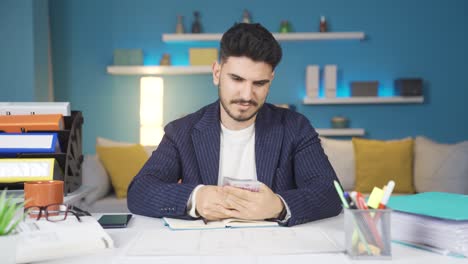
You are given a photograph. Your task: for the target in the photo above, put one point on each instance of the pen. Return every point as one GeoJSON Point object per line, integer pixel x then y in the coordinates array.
{"type": "Point", "coordinates": [361, 202]}
{"type": "Point", "coordinates": [350, 201]}
{"type": "Point", "coordinates": [387, 194]}
{"type": "Point", "coordinates": [353, 195]}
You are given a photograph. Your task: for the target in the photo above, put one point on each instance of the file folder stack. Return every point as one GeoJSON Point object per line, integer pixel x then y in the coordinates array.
{"type": "Point", "coordinates": [434, 219]}
{"type": "Point", "coordinates": [40, 131]}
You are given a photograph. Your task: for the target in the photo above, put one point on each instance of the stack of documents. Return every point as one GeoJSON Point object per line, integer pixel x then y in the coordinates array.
{"type": "Point", "coordinates": [438, 220]}
{"type": "Point", "coordinates": [44, 240]}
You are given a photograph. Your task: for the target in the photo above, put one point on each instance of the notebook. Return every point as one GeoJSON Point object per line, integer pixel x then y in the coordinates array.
{"type": "Point", "coordinates": [179, 224]}
{"type": "Point", "coordinates": [449, 206]}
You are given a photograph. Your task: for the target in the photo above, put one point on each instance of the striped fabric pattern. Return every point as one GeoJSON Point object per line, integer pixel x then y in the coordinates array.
{"type": "Point", "coordinates": [288, 155]}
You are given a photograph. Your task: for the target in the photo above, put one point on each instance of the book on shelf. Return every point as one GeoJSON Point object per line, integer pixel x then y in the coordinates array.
{"type": "Point", "coordinates": [43, 240]}
{"type": "Point", "coordinates": [179, 224]}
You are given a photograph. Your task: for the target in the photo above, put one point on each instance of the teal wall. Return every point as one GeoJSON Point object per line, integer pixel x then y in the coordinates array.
{"type": "Point", "coordinates": [417, 38]}
{"type": "Point", "coordinates": [16, 51]}
{"type": "Point", "coordinates": [24, 74]}
{"type": "Point", "coordinates": [41, 49]}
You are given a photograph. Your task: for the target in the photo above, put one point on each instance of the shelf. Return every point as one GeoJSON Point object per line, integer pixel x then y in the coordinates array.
{"type": "Point", "coordinates": [278, 36]}
{"type": "Point", "coordinates": [158, 70]}
{"type": "Point", "coordinates": [364, 100]}
{"type": "Point", "coordinates": [341, 132]}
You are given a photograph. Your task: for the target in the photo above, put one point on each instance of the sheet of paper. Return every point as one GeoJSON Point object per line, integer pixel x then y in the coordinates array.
{"type": "Point", "coordinates": [250, 241]}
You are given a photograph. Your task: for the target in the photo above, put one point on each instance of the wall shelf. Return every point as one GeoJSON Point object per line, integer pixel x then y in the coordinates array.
{"type": "Point", "coordinates": [295, 36]}
{"type": "Point", "coordinates": [341, 131]}
{"type": "Point", "coordinates": [364, 100]}
{"type": "Point", "coordinates": [158, 70]}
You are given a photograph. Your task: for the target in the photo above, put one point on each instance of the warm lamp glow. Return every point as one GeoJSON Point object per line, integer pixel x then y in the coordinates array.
{"type": "Point", "coordinates": [151, 110]}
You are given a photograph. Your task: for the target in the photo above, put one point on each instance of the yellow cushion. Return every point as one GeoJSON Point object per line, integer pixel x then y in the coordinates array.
{"type": "Point", "coordinates": [122, 163]}
{"type": "Point", "coordinates": [378, 161]}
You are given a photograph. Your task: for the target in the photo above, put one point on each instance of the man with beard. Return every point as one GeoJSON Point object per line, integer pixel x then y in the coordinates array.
{"type": "Point", "coordinates": [240, 137]}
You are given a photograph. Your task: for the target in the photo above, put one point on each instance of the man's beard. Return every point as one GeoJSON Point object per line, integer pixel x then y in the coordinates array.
{"type": "Point", "coordinates": [238, 119]}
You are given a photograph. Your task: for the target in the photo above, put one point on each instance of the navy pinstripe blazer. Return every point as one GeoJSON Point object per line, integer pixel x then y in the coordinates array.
{"type": "Point", "coordinates": [288, 156]}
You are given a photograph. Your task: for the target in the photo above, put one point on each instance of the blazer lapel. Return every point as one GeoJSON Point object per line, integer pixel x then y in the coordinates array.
{"type": "Point", "coordinates": [206, 141]}
{"type": "Point", "coordinates": [268, 140]}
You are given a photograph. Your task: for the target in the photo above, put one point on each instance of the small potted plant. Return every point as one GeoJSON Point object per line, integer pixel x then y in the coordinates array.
{"type": "Point", "coordinates": [10, 216]}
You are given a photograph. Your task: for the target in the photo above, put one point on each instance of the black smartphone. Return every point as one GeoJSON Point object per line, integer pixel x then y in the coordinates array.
{"type": "Point", "coordinates": [115, 220]}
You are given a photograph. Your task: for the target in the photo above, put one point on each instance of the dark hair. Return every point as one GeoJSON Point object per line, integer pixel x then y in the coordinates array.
{"type": "Point", "coordinates": [252, 41]}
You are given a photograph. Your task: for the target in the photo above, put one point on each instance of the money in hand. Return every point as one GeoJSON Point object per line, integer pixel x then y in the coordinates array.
{"type": "Point", "coordinates": [246, 184]}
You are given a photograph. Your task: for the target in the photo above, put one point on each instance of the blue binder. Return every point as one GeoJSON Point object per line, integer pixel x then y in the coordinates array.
{"type": "Point", "coordinates": [448, 206]}
{"type": "Point", "coordinates": [14, 143]}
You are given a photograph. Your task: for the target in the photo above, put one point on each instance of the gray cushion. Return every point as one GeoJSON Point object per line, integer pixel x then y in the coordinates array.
{"type": "Point", "coordinates": [440, 167]}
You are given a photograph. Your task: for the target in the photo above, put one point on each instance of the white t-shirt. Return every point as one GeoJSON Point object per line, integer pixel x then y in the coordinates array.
{"type": "Point", "coordinates": [237, 154]}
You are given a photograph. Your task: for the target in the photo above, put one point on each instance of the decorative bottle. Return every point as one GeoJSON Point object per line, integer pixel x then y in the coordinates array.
{"type": "Point", "coordinates": [165, 60]}
{"type": "Point", "coordinates": [180, 25]}
{"type": "Point", "coordinates": [285, 27]}
{"type": "Point", "coordinates": [246, 17]}
{"type": "Point", "coordinates": [196, 25]}
{"type": "Point", "coordinates": [323, 24]}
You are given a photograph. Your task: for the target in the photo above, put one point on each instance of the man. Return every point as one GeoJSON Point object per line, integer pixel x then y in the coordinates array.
{"type": "Point", "coordinates": [242, 137]}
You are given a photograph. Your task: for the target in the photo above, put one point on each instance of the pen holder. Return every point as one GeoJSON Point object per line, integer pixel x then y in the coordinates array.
{"type": "Point", "coordinates": [368, 234]}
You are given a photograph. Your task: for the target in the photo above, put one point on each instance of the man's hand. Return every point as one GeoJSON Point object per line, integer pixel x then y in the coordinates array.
{"type": "Point", "coordinates": [209, 203]}
{"type": "Point", "coordinates": [245, 204]}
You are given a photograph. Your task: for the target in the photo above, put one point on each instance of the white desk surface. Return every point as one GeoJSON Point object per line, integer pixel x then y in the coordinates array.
{"type": "Point", "coordinates": [333, 226]}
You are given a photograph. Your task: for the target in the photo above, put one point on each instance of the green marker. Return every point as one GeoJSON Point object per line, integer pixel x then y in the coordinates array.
{"type": "Point", "coordinates": [340, 193]}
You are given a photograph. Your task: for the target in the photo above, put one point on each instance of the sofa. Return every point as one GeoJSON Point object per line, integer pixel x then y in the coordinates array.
{"type": "Point", "coordinates": [430, 166]}
{"type": "Point", "coordinates": [103, 198]}
{"type": "Point", "coordinates": [434, 167]}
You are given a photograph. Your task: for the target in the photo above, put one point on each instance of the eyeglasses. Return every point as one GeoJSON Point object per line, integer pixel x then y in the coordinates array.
{"type": "Point", "coordinates": [55, 212]}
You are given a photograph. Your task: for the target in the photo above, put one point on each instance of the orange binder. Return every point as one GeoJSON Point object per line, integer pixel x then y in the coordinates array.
{"type": "Point", "coordinates": [24, 123]}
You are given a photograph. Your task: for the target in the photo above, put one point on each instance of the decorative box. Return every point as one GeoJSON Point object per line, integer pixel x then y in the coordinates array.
{"type": "Point", "coordinates": [203, 56]}
{"type": "Point", "coordinates": [364, 88]}
{"type": "Point", "coordinates": [409, 87]}
{"type": "Point", "coordinates": [128, 57]}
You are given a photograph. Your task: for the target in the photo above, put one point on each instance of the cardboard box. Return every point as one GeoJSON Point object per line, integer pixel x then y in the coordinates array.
{"type": "Point", "coordinates": [203, 56]}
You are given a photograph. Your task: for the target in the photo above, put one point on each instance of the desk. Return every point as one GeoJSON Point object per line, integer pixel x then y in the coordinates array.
{"type": "Point", "coordinates": [123, 238]}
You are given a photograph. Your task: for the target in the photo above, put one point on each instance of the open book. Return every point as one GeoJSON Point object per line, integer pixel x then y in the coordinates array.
{"type": "Point", "coordinates": [178, 224]}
